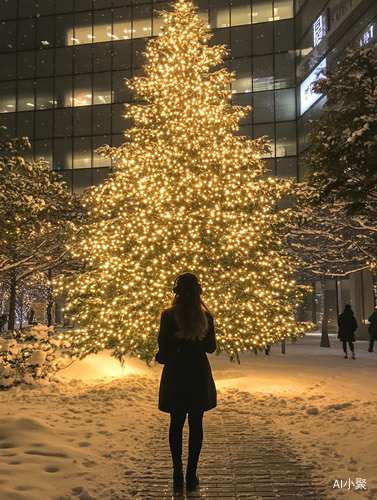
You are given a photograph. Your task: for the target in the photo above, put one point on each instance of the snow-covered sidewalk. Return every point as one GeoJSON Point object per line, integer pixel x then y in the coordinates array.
{"type": "Point", "coordinates": [88, 435]}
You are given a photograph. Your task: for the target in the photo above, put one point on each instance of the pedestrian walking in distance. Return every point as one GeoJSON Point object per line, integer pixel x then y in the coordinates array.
{"type": "Point", "coordinates": [372, 330]}
{"type": "Point", "coordinates": [347, 327]}
{"type": "Point", "coordinates": [187, 387]}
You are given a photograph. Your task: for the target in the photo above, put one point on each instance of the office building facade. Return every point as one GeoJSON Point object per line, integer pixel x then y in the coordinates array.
{"type": "Point", "coordinates": [63, 65]}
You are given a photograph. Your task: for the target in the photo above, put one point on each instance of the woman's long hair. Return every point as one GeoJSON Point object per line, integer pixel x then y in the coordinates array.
{"type": "Point", "coordinates": [188, 308]}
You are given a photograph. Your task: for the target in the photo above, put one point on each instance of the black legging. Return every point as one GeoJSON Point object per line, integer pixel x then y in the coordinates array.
{"type": "Point", "coordinates": [345, 345]}
{"type": "Point", "coordinates": [177, 420]}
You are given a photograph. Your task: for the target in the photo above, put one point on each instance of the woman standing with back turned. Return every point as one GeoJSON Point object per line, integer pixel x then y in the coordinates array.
{"type": "Point", "coordinates": [187, 387]}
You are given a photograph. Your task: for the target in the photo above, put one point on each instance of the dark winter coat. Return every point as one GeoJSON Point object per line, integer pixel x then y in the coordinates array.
{"type": "Point", "coordinates": [186, 381]}
{"type": "Point", "coordinates": [372, 330]}
{"type": "Point", "coordinates": [347, 326]}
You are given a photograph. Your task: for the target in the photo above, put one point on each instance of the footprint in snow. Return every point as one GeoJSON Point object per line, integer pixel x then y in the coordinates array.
{"type": "Point", "coordinates": [51, 469]}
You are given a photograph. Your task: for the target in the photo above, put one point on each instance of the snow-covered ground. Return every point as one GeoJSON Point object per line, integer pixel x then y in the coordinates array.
{"type": "Point", "coordinates": [77, 437]}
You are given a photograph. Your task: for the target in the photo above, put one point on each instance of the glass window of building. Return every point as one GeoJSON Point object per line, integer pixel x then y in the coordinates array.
{"type": "Point", "coordinates": [99, 160]}
{"type": "Point", "coordinates": [263, 41]}
{"type": "Point", "coordinates": [44, 63]}
{"type": "Point", "coordinates": [219, 14]}
{"type": "Point", "coordinates": [102, 27]}
{"type": "Point", "coordinates": [45, 32]}
{"type": "Point", "coordinates": [8, 36]}
{"type": "Point", "coordinates": [82, 152]}
{"type": "Point", "coordinates": [263, 107]}
{"type": "Point", "coordinates": [157, 20]}
{"type": "Point", "coordinates": [120, 3]}
{"type": "Point", "coordinates": [82, 90]}
{"type": "Point", "coordinates": [100, 175]}
{"type": "Point", "coordinates": [122, 23]}
{"type": "Point", "coordinates": [141, 21]}
{"type": "Point", "coordinates": [9, 10]}
{"type": "Point", "coordinates": [26, 8]}
{"type": "Point", "coordinates": [283, 36]}
{"type": "Point", "coordinates": [43, 149]}
{"type": "Point", "coordinates": [64, 30]}
{"type": "Point", "coordinates": [64, 61]}
{"type": "Point", "coordinates": [102, 57]}
{"type": "Point", "coordinates": [262, 11]}
{"type": "Point", "coordinates": [284, 70]}
{"type": "Point", "coordinates": [82, 121]}
{"type": "Point", "coordinates": [26, 34]}
{"type": "Point", "coordinates": [102, 93]}
{"type": "Point", "coordinates": [286, 168]}
{"type": "Point", "coordinates": [118, 123]}
{"type": "Point", "coordinates": [242, 68]}
{"type": "Point", "coordinates": [101, 119]}
{"type": "Point", "coordinates": [283, 9]}
{"type": "Point", "coordinates": [285, 104]}
{"type": "Point", "coordinates": [83, 29]}
{"type": "Point", "coordinates": [25, 95]}
{"type": "Point", "coordinates": [82, 179]}
{"type": "Point", "coordinates": [44, 7]}
{"type": "Point", "coordinates": [63, 91]}
{"type": "Point", "coordinates": [26, 64]}
{"type": "Point", "coordinates": [63, 6]}
{"type": "Point", "coordinates": [121, 91]}
{"type": "Point", "coordinates": [263, 73]}
{"type": "Point", "coordinates": [25, 128]}
{"type": "Point", "coordinates": [240, 12]}
{"type": "Point", "coordinates": [7, 97]}
{"type": "Point", "coordinates": [83, 5]}
{"type": "Point", "coordinates": [269, 130]}
{"type": "Point", "coordinates": [63, 121]}
{"type": "Point", "coordinates": [83, 59]}
{"type": "Point", "coordinates": [8, 64]}
{"type": "Point", "coordinates": [44, 93]}
{"type": "Point", "coordinates": [101, 4]}
{"type": "Point", "coordinates": [44, 125]}
{"type": "Point", "coordinates": [121, 55]}
{"type": "Point", "coordinates": [241, 41]}
{"type": "Point", "coordinates": [286, 139]}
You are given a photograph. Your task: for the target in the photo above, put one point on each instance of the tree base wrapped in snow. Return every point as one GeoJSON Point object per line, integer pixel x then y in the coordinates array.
{"type": "Point", "coordinates": [30, 354]}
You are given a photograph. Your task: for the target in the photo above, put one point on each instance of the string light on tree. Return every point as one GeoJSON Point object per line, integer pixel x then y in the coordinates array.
{"type": "Point", "coordinates": [184, 196]}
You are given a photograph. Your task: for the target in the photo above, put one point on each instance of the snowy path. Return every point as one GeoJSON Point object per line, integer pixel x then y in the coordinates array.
{"type": "Point", "coordinates": [243, 457]}
{"type": "Point", "coordinates": [97, 434]}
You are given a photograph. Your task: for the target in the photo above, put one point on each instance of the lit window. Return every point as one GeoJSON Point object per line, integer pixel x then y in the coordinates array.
{"type": "Point", "coordinates": [86, 98]}
{"type": "Point", "coordinates": [7, 104]}
{"type": "Point", "coordinates": [262, 12]}
{"type": "Point", "coordinates": [241, 15]}
{"type": "Point", "coordinates": [283, 9]}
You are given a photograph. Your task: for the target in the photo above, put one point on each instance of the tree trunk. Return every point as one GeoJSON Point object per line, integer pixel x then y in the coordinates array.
{"type": "Point", "coordinates": [12, 303]}
{"type": "Point", "coordinates": [325, 341]}
{"type": "Point", "coordinates": [50, 300]}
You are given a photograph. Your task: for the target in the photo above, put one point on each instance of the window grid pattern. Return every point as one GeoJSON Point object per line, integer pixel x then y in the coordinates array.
{"type": "Point", "coordinates": [68, 96]}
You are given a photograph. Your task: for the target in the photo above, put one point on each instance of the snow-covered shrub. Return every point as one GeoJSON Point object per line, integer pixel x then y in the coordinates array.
{"type": "Point", "coordinates": [30, 354]}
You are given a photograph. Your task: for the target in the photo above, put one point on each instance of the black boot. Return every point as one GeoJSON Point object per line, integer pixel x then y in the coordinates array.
{"type": "Point", "coordinates": [178, 475]}
{"type": "Point", "coordinates": [192, 479]}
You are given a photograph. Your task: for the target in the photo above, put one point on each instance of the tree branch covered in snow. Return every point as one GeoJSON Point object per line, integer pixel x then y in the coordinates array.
{"type": "Point", "coordinates": [37, 218]}
{"type": "Point", "coordinates": [336, 206]}
{"type": "Point", "coordinates": [30, 354]}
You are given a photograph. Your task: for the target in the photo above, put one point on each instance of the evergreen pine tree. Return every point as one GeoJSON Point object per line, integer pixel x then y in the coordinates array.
{"type": "Point", "coordinates": [184, 196]}
{"type": "Point", "coordinates": [341, 158]}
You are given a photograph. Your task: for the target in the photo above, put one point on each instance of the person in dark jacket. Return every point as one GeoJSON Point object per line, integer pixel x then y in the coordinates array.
{"type": "Point", "coordinates": [187, 387]}
{"type": "Point", "coordinates": [372, 330]}
{"type": "Point", "coordinates": [347, 327]}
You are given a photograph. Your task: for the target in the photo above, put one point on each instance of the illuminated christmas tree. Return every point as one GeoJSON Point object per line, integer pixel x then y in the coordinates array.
{"type": "Point", "coordinates": [184, 196]}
